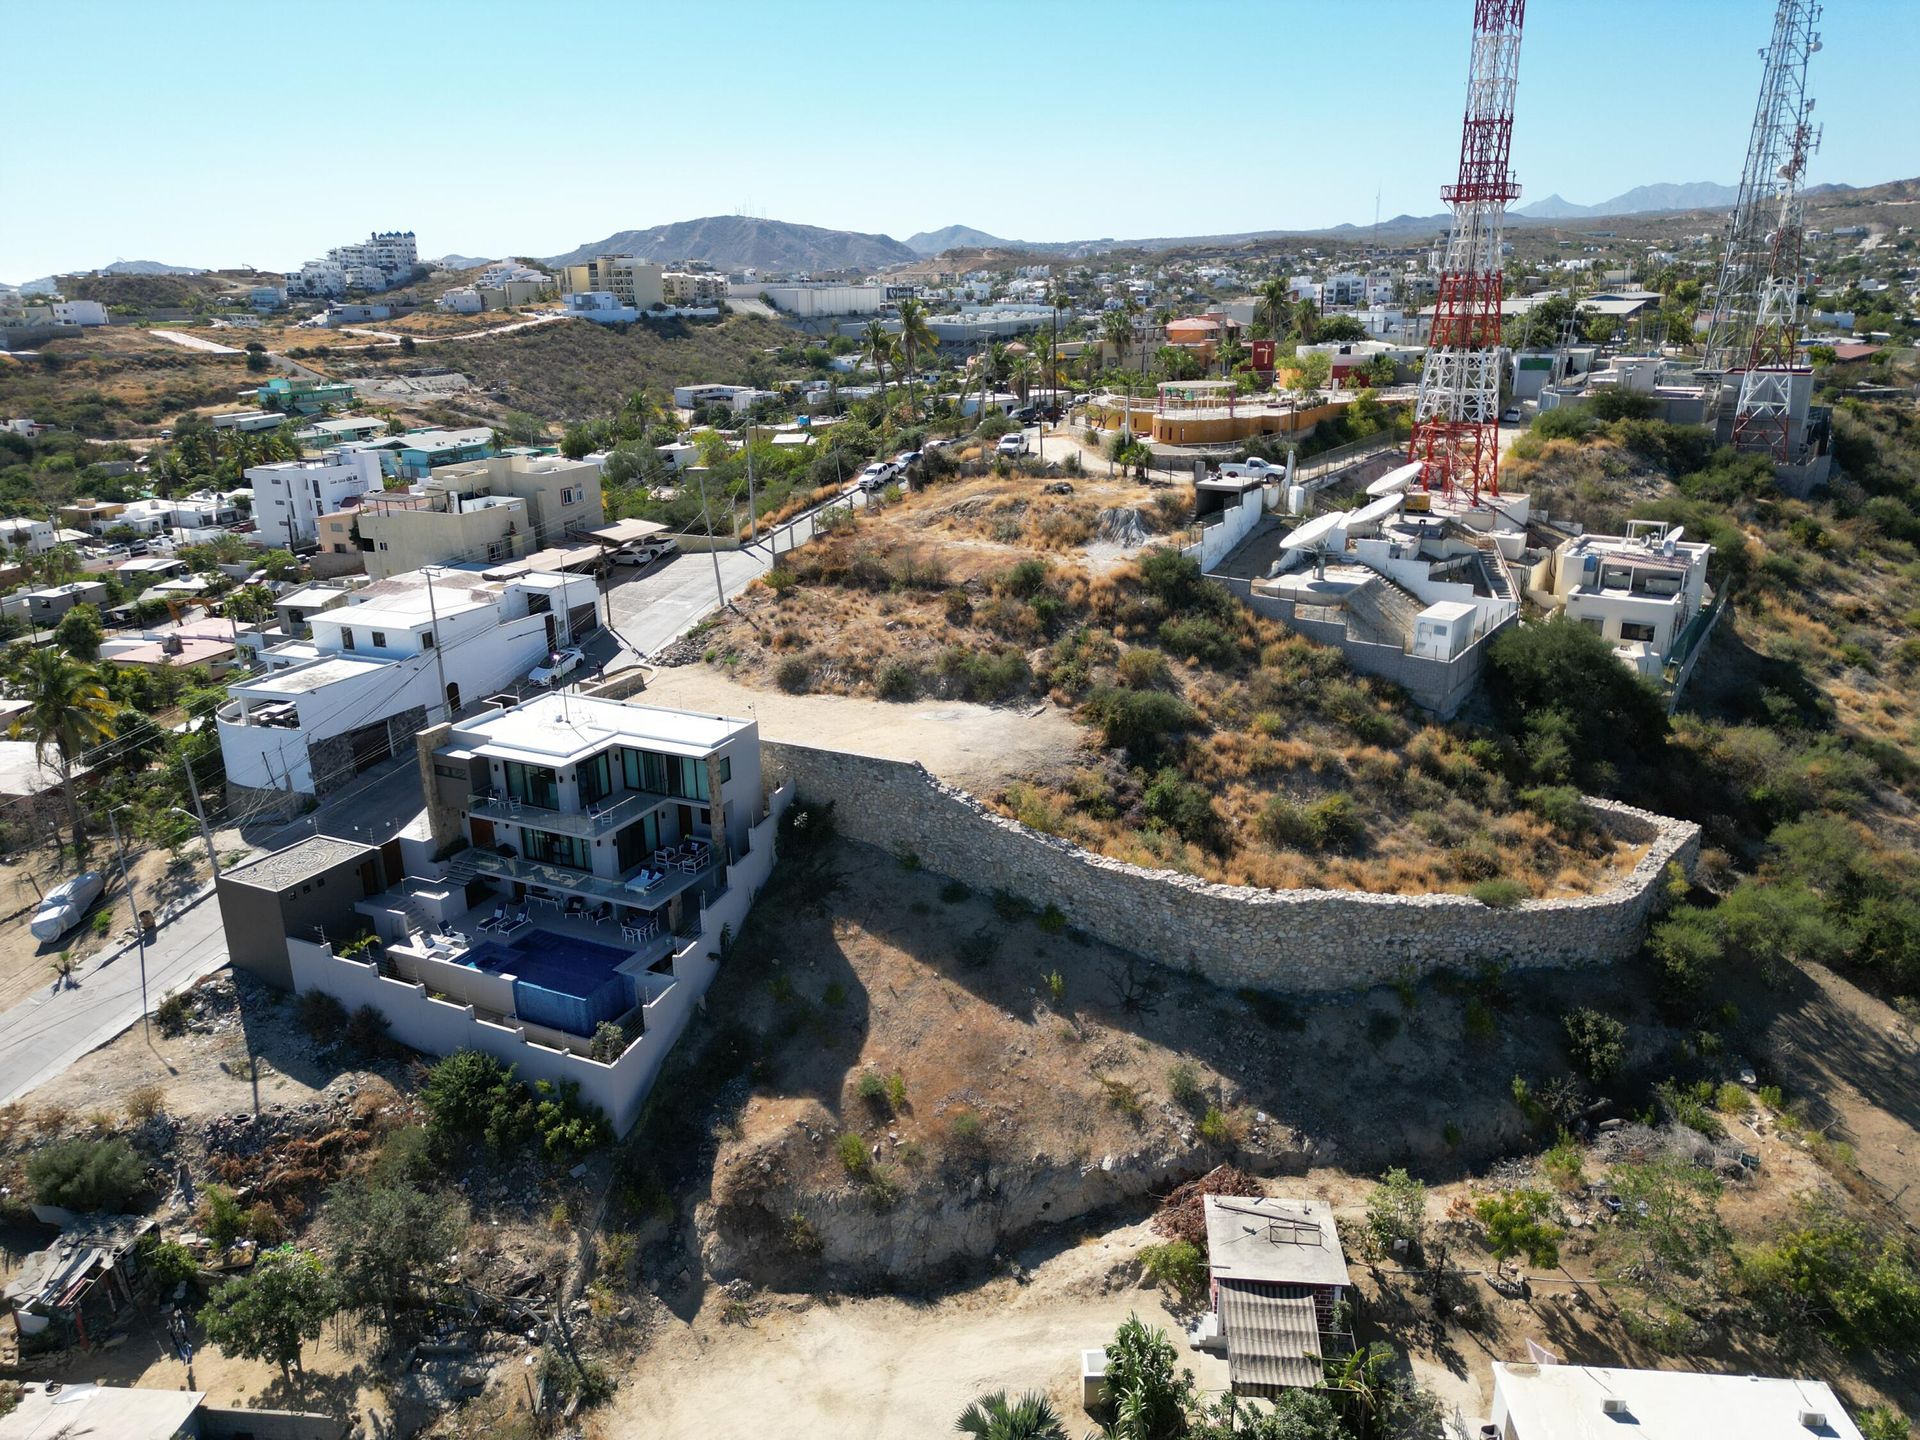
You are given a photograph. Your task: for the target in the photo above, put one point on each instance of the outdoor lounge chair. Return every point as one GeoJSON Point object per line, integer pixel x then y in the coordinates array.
{"type": "Point", "coordinates": [516, 923]}
{"type": "Point", "coordinates": [492, 922]}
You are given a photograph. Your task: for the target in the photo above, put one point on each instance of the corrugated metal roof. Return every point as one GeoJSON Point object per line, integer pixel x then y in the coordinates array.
{"type": "Point", "coordinates": [1273, 1338]}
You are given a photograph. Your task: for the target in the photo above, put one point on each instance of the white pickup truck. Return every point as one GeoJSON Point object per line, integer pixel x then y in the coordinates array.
{"type": "Point", "coordinates": [1252, 469]}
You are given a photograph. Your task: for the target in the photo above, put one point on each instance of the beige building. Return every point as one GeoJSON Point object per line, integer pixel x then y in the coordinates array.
{"type": "Point", "coordinates": [483, 510]}
{"type": "Point", "coordinates": [683, 287]}
{"type": "Point", "coordinates": [637, 283]}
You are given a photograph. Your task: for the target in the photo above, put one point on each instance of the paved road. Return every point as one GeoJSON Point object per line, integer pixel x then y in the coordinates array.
{"type": "Point", "coordinates": [40, 1037]}
{"type": "Point", "coordinates": [393, 337]}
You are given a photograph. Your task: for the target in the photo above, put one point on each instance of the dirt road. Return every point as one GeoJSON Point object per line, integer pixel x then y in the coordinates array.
{"type": "Point", "coordinates": [885, 1368]}
{"type": "Point", "coordinates": [978, 747]}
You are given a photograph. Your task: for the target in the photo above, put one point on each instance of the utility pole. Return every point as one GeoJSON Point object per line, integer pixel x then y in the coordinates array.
{"type": "Point", "coordinates": [200, 813]}
{"type": "Point", "coordinates": [439, 664]}
{"type": "Point", "coordinates": [139, 930]}
{"type": "Point", "coordinates": [753, 511]}
{"type": "Point", "coordinates": [713, 553]}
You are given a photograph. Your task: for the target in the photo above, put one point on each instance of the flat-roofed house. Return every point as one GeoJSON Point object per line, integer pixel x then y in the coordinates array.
{"type": "Point", "coordinates": [1278, 1278]}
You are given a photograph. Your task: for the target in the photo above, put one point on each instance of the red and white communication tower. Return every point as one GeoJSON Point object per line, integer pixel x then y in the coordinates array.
{"type": "Point", "coordinates": [1456, 421]}
{"type": "Point", "coordinates": [1756, 310]}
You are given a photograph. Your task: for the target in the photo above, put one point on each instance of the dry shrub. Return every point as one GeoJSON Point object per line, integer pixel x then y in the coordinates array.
{"type": "Point", "coordinates": [144, 1102]}
{"type": "Point", "coordinates": [1183, 1214]}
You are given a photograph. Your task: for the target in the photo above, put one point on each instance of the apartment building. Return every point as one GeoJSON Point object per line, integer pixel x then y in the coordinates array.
{"type": "Point", "coordinates": [396, 656]}
{"type": "Point", "coordinates": [418, 453]}
{"type": "Point", "coordinates": [686, 287]}
{"type": "Point", "coordinates": [598, 854]}
{"type": "Point", "coordinates": [19, 535]}
{"type": "Point", "coordinates": [500, 508]}
{"type": "Point", "coordinates": [1645, 591]}
{"type": "Point", "coordinates": [339, 430]}
{"type": "Point", "coordinates": [635, 284]}
{"type": "Point", "coordinates": [290, 496]}
{"type": "Point", "coordinates": [384, 259]}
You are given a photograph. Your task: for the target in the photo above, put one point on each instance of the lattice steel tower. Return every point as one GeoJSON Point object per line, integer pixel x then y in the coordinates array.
{"type": "Point", "coordinates": [1456, 428]}
{"type": "Point", "coordinates": [1756, 308]}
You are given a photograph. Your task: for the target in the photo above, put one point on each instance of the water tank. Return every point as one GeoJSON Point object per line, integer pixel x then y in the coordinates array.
{"type": "Point", "coordinates": [1296, 499]}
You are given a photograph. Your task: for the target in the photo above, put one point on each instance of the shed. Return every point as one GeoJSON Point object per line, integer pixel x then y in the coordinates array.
{"type": "Point", "coordinates": [1278, 1274]}
{"type": "Point", "coordinates": [79, 1283]}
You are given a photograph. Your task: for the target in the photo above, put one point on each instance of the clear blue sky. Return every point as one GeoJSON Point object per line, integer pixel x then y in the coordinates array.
{"type": "Point", "coordinates": [210, 133]}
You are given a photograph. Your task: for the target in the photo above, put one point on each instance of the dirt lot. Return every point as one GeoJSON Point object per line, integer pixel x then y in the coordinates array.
{"type": "Point", "coordinates": [979, 747]}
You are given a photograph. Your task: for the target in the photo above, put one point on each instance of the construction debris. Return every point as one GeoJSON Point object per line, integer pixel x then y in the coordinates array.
{"type": "Point", "coordinates": [1182, 1215]}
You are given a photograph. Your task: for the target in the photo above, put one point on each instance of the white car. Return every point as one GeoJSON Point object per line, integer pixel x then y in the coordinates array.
{"type": "Point", "coordinates": [560, 664]}
{"type": "Point", "coordinates": [1014, 442]}
{"type": "Point", "coordinates": [63, 906]}
{"type": "Point", "coordinates": [647, 551]}
{"type": "Point", "coordinates": [878, 475]}
{"type": "Point", "coordinates": [1252, 468]}
{"type": "Point", "coordinates": [1510, 416]}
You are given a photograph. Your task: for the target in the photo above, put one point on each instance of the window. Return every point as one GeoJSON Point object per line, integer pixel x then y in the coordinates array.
{"type": "Point", "coordinates": [567, 496]}
{"type": "Point", "coordinates": [1633, 630]}
{"type": "Point", "coordinates": [1592, 622]}
{"type": "Point", "coordinates": [426, 639]}
{"type": "Point", "coordinates": [545, 848]}
{"type": "Point", "coordinates": [450, 772]}
{"type": "Point", "coordinates": [596, 777]}
{"type": "Point", "coordinates": [726, 769]}
{"type": "Point", "coordinates": [383, 544]}
{"type": "Point", "coordinates": [379, 639]}
{"type": "Point", "coordinates": [346, 637]}
{"type": "Point", "coordinates": [639, 840]}
{"type": "Point", "coordinates": [533, 785]}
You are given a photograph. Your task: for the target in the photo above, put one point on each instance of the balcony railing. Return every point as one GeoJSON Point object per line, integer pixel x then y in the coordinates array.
{"type": "Point", "coordinates": [601, 818]}
{"type": "Point", "coordinates": [475, 863]}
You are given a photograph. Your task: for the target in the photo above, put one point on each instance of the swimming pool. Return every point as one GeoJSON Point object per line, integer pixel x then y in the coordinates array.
{"type": "Point", "coordinates": [559, 980]}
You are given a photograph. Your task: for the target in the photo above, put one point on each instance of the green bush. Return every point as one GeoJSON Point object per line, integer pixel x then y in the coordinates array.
{"type": "Point", "coordinates": [1562, 807]}
{"type": "Point", "coordinates": [472, 1096]}
{"type": "Point", "coordinates": [1332, 822]}
{"type": "Point", "coordinates": [1596, 1043]}
{"type": "Point", "coordinates": [853, 1154]}
{"type": "Point", "coordinates": [1516, 1224]}
{"type": "Point", "coordinates": [985, 676]}
{"type": "Point", "coordinates": [1200, 638]}
{"type": "Point", "coordinates": [1185, 808]}
{"type": "Point", "coordinates": [896, 680]}
{"type": "Point", "coordinates": [1183, 1084]}
{"type": "Point", "coordinates": [87, 1174]}
{"type": "Point", "coordinates": [1500, 894]}
{"type": "Point", "coordinates": [1396, 1212]}
{"type": "Point", "coordinates": [1180, 1265]}
{"type": "Point", "coordinates": [1138, 721]}
{"type": "Point", "coordinates": [173, 1013]}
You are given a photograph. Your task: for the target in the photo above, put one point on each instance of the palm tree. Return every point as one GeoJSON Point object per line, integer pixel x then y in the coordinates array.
{"type": "Point", "coordinates": [994, 1417]}
{"type": "Point", "coordinates": [1116, 328]}
{"type": "Point", "coordinates": [1020, 374]}
{"type": "Point", "coordinates": [68, 712]}
{"type": "Point", "coordinates": [1274, 310]}
{"type": "Point", "coordinates": [1306, 320]}
{"type": "Point", "coordinates": [879, 348]}
{"type": "Point", "coordinates": [916, 339]}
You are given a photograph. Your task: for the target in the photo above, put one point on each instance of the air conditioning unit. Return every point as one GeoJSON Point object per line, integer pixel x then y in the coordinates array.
{"type": "Point", "coordinates": [1813, 1419]}
{"type": "Point", "coordinates": [1613, 1405]}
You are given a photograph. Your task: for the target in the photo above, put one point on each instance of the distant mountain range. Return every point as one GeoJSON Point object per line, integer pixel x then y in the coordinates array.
{"type": "Point", "coordinates": [47, 284]}
{"type": "Point", "coordinates": [1698, 195]}
{"type": "Point", "coordinates": [735, 241]}
{"type": "Point", "coordinates": [958, 237]}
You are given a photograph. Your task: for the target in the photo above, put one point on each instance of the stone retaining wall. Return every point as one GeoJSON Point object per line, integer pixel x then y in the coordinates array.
{"type": "Point", "coordinates": [1289, 940]}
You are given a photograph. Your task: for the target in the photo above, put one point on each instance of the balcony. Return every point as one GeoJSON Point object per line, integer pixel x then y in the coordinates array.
{"type": "Point", "coordinates": [482, 864]}
{"type": "Point", "coordinates": [604, 816]}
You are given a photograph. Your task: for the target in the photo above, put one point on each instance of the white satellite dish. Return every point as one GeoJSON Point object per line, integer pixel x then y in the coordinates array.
{"type": "Point", "coordinates": [1394, 481]}
{"type": "Point", "coordinates": [1315, 532]}
{"type": "Point", "coordinates": [1376, 510]}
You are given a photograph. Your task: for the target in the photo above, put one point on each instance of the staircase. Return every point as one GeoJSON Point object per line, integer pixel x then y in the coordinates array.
{"type": "Point", "coordinates": [1383, 613]}
{"type": "Point", "coordinates": [1493, 564]}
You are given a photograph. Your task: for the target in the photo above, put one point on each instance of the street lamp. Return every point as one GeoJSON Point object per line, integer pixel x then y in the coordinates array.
{"type": "Point", "coordinates": [139, 928]}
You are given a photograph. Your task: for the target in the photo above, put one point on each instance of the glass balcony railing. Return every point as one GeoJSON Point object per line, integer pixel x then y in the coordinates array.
{"type": "Point", "coordinates": [600, 818]}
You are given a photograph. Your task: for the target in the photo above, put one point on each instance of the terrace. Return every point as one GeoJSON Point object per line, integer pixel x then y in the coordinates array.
{"type": "Point", "coordinates": [483, 864]}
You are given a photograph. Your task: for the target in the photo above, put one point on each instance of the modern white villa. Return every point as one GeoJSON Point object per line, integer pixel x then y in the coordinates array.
{"type": "Point", "coordinates": [1641, 590]}
{"type": "Point", "coordinates": [584, 863]}
{"type": "Point", "coordinates": [395, 657]}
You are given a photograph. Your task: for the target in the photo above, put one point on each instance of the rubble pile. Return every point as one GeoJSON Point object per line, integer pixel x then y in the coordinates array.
{"type": "Point", "coordinates": [1182, 1215]}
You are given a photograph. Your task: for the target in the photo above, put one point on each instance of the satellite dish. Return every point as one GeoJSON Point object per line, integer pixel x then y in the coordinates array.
{"type": "Point", "coordinates": [1673, 536]}
{"type": "Point", "coordinates": [1394, 481]}
{"type": "Point", "coordinates": [1376, 510]}
{"type": "Point", "coordinates": [1315, 532]}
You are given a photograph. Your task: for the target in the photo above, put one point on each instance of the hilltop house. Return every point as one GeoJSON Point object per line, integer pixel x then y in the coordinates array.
{"type": "Point", "coordinates": [1557, 1402]}
{"type": "Point", "coordinates": [290, 496]}
{"type": "Point", "coordinates": [588, 860]}
{"type": "Point", "coordinates": [396, 656]}
{"type": "Point", "coordinates": [1278, 1279]}
{"type": "Point", "coordinates": [1644, 591]}
{"type": "Point", "coordinates": [498, 509]}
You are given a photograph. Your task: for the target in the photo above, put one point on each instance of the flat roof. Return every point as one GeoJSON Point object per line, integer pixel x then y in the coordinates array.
{"type": "Point", "coordinates": [557, 728]}
{"type": "Point", "coordinates": [104, 1410]}
{"type": "Point", "coordinates": [313, 595]}
{"type": "Point", "coordinates": [298, 861]}
{"type": "Point", "coordinates": [622, 532]}
{"type": "Point", "coordinates": [304, 679]}
{"type": "Point", "coordinates": [1566, 1402]}
{"type": "Point", "coordinates": [1288, 1242]}
{"type": "Point", "coordinates": [401, 608]}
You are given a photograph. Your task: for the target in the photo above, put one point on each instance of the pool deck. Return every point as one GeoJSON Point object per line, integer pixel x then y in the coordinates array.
{"type": "Point", "coordinates": [640, 958]}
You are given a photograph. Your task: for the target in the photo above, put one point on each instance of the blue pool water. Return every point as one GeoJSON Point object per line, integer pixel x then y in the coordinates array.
{"type": "Point", "coordinates": [559, 980]}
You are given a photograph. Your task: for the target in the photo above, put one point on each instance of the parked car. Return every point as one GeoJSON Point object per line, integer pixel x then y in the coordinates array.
{"type": "Point", "coordinates": [1253, 468]}
{"type": "Point", "coordinates": [66, 904]}
{"type": "Point", "coordinates": [560, 664]}
{"type": "Point", "coordinates": [1510, 416]}
{"type": "Point", "coordinates": [1014, 442]}
{"type": "Point", "coordinates": [906, 458]}
{"type": "Point", "coordinates": [878, 475]}
{"type": "Point", "coordinates": [647, 551]}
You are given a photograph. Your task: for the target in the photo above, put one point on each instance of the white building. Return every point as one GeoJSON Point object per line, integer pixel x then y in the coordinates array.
{"type": "Point", "coordinates": [620, 841]}
{"type": "Point", "coordinates": [290, 497]}
{"type": "Point", "coordinates": [1640, 590]}
{"type": "Point", "coordinates": [399, 655]}
{"type": "Point", "coordinates": [810, 300]}
{"type": "Point", "coordinates": [19, 535]}
{"type": "Point", "coordinates": [1592, 1402]}
{"type": "Point", "coordinates": [381, 261]}
{"type": "Point", "coordinates": [698, 397]}
{"type": "Point", "coordinates": [464, 300]}
{"type": "Point", "coordinates": [603, 307]}
{"type": "Point", "coordinates": [79, 312]}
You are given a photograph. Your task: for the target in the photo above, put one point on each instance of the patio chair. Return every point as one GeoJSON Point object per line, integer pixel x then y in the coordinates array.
{"type": "Point", "coordinates": [517, 923]}
{"type": "Point", "coordinates": [492, 922]}
{"type": "Point", "coordinates": [630, 934]}
{"type": "Point", "coordinates": [601, 913]}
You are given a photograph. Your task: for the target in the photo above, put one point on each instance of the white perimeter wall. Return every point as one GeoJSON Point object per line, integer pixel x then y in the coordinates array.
{"type": "Point", "coordinates": [439, 1027]}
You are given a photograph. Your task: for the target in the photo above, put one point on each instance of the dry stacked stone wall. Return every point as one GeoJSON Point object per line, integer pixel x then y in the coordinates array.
{"type": "Point", "coordinates": [1286, 940]}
